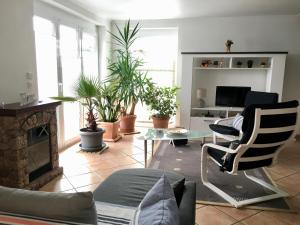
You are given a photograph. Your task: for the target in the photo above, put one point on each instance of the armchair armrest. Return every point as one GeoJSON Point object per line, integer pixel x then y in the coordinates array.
{"type": "Point", "coordinates": [219, 147]}
{"type": "Point", "coordinates": [225, 121]}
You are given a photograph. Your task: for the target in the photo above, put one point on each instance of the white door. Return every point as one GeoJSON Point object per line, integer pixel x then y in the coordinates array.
{"type": "Point", "coordinates": [71, 70]}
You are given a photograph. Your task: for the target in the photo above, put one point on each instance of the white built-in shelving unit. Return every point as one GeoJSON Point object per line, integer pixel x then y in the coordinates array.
{"type": "Point", "coordinates": [210, 69]}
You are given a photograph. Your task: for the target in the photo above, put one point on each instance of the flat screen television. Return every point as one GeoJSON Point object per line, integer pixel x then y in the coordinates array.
{"type": "Point", "coordinates": [232, 96]}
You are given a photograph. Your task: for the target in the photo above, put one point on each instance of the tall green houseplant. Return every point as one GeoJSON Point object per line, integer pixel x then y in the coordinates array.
{"type": "Point", "coordinates": [126, 74]}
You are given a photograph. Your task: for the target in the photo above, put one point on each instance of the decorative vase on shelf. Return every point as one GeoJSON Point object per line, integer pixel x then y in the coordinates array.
{"type": "Point", "coordinates": [239, 64]}
{"type": "Point", "coordinates": [250, 63]}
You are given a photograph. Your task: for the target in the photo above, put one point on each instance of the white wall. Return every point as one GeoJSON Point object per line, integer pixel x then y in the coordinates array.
{"type": "Point", "coordinates": [251, 33]}
{"type": "Point", "coordinates": [17, 52]}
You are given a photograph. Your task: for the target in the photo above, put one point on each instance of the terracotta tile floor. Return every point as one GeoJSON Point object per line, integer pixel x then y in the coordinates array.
{"type": "Point", "coordinates": [85, 171]}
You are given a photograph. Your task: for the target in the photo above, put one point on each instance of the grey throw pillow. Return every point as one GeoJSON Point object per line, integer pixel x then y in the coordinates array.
{"type": "Point", "coordinates": [159, 206]}
{"type": "Point", "coordinates": [74, 207]}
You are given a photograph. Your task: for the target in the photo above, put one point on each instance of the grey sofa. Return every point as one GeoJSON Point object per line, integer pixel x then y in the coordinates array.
{"type": "Point", "coordinates": [129, 186]}
{"type": "Point", "coordinates": [125, 187]}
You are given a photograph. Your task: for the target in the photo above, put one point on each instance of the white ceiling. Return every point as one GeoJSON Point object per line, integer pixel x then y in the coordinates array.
{"type": "Point", "coordinates": [167, 9]}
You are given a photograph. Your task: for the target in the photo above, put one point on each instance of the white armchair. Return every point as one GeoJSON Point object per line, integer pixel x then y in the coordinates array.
{"type": "Point", "coordinates": [266, 131]}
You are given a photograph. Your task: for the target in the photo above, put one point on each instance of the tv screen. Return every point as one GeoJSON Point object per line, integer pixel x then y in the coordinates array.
{"type": "Point", "coordinates": [231, 96]}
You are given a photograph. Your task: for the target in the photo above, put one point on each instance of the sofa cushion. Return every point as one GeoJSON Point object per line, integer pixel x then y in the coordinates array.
{"type": "Point", "coordinates": [116, 189]}
{"type": "Point", "coordinates": [159, 205]}
{"type": "Point", "coordinates": [129, 187]}
{"type": "Point", "coordinates": [74, 207]}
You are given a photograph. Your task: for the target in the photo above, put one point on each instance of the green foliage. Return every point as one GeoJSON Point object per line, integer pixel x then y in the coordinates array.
{"type": "Point", "coordinates": [161, 100]}
{"type": "Point", "coordinates": [85, 90]}
{"type": "Point", "coordinates": [125, 73]}
{"type": "Point", "coordinates": [108, 103]}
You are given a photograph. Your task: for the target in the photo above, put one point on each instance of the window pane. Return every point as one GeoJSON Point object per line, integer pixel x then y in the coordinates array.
{"type": "Point", "coordinates": [89, 54]}
{"type": "Point", "coordinates": [158, 49]}
{"type": "Point", "coordinates": [46, 59]}
{"type": "Point", "coordinates": [71, 69]}
{"type": "Point", "coordinates": [162, 78]}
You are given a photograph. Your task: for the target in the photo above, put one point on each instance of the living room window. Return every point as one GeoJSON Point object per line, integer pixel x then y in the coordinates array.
{"type": "Point", "coordinates": [63, 53]}
{"type": "Point", "coordinates": [158, 49]}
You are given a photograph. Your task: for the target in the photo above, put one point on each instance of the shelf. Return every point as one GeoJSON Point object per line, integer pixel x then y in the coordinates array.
{"type": "Point", "coordinates": [220, 108]}
{"type": "Point", "coordinates": [226, 68]}
{"type": "Point", "coordinates": [234, 53]}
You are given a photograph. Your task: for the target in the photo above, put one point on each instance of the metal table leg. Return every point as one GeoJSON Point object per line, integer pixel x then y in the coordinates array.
{"type": "Point", "coordinates": [152, 147]}
{"type": "Point", "coordinates": [203, 141]}
{"type": "Point", "coordinates": [145, 150]}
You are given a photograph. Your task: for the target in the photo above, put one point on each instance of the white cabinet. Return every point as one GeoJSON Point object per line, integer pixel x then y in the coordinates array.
{"type": "Point", "coordinates": [262, 71]}
{"type": "Point", "coordinates": [200, 121]}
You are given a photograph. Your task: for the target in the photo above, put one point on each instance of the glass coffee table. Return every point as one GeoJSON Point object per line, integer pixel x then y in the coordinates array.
{"type": "Point", "coordinates": [155, 134]}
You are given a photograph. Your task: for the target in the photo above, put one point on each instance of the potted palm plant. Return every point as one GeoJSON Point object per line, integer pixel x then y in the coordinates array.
{"type": "Point", "coordinates": [162, 103]}
{"type": "Point", "coordinates": [126, 74]}
{"type": "Point", "coordinates": [108, 105]}
{"type": "Point", "coordinates": [86, 89]}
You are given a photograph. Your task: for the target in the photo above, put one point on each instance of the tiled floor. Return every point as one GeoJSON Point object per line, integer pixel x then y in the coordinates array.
{"type": "Point", "coordinates": [85, 171]}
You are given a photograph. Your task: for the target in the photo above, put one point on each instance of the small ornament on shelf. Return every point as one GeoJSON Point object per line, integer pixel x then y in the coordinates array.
{"type": "Point", "coordinates": [221, 63]}
{"type": "Point", "coordinates": [239, 64]}
{"type": "Point", "coordinates": [216, 63]}
{"type": "Point", "coordinates": [263, 64]}
{"type": "Point", "coordinates": [205, 63]}
{"type": "Point", "coordinates": [228, 45]}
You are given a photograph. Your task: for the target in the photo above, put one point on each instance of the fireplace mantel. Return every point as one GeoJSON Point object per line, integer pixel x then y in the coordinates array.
{"type": "Point", "coordinates": [15, 109]}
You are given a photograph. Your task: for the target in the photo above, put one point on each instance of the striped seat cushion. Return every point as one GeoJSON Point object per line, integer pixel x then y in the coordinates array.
{"type": "Point", "coordinates": [111, 214]}
{"type": "Point", "coordinates": [14, 219]}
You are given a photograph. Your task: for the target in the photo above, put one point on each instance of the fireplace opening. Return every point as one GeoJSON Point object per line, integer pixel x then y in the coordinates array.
{"type": "Point", "coordinates": [39, 151]}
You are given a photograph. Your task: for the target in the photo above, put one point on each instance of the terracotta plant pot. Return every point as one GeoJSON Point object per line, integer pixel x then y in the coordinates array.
{"type": "Point", "coordinates": [160, 122]}
{"type": "Point", "coordinates": [111, 130]}
{"type": "Point", "coordinates": [127, 123]}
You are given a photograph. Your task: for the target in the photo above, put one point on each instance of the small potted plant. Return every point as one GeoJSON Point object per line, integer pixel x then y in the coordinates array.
{"type": "Point", "coordinates": [108, 106]}
{"type": "Point", "coordinates": [162, 103]}
{"type": "Point", "coordinates": [86, 90]}
{"type": "Point", "coordinates": [228, 45]}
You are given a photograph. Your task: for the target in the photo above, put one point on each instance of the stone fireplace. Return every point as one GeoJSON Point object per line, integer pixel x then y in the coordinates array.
{"type": "Point", "coordinates": [28, 145]}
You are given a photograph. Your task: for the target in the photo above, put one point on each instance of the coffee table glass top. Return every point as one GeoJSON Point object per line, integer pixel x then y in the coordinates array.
{"type": "Point", "coordinates": [163, 134]}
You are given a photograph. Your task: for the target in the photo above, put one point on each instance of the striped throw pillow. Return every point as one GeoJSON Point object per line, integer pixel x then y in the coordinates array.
{"type": "Point", "coordinates": [238, 122]}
